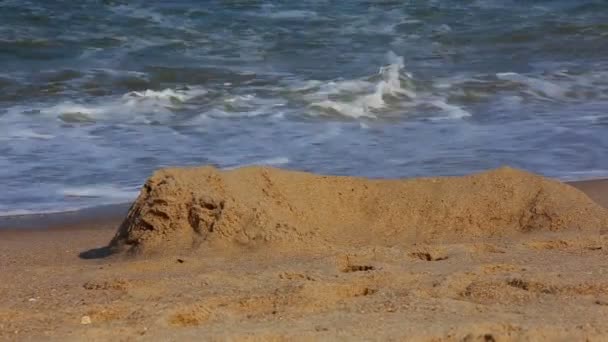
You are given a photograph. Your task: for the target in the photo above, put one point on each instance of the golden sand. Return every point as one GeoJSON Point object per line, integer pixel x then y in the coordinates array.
{"type": "Point", "coordinates": [178, 209]}
{"type": "Point", "coordinates": [261, 254]}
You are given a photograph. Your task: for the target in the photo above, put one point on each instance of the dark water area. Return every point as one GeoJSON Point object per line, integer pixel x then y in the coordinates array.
{"type": "Point", "coordinates": [96, 95]}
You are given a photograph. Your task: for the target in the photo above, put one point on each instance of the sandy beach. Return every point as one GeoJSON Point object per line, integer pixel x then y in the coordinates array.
{"type": "Point", "coordinates": [58, 283]}
{"type": "Point", "coordinates": [304, 170]}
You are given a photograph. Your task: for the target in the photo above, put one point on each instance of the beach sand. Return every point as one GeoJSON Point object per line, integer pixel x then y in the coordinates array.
{"type": "Point", "coordinates": [58, 281]}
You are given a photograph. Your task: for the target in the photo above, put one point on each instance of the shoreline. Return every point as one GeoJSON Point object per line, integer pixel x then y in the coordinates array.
{"type": "Point", "coordinates": [78, 219]}
{"type": "Point", "coordinates": [113, 214]}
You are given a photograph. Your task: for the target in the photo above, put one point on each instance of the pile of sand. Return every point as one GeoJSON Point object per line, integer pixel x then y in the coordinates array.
{"type": "Point", "coordinates": [180, 208]}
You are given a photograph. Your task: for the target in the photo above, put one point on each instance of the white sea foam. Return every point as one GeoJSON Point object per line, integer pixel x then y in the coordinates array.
{"type": "Point", "coordinates": [104, 191]}
{"type": "Point", "coordinates": [250, 105]}
{"type": "Point", "coordinates": [585, 175]}
{"type": "Point", "coordinates": [166, 96]}
{"type": "Point", "coordinates": [364, 97]}
{"type": "Point", "coordinates": [25, 134]}
{"type": "Point", "coordinates": [595, 118]}
{"type": "Point", "coordinates": [273, 161]}
{"type": "Point", "coordinates": [540, 88]}
{"type": "Point", "coordinates": [245, 105]}
{"type": "Point", "coordinates": [561, 85]}
{"type": "Point", "coordinates": [452, 111]}
{"type": "Point", "coordinates": [276, 161]}
{"type": "Point", "coordinates": [24, 212]}
{"type": "Point", "coordinates": [145, 106]}
{"type": "Point", "coordinates": [389, 93]}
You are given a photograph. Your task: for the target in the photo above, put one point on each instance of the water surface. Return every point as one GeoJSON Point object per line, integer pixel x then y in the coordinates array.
{"type": "Point", "coordinates": [95, 95]}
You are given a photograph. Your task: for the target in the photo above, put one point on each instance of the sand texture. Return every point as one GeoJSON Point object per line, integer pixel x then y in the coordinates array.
{"type": "Point", "coordinates": [178, 209]}
{"type": "Point", "coordinates": [260, 254]}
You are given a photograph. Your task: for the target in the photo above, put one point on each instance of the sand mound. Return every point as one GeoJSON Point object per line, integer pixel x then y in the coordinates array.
{"type": "Point", "coordinates": [179, 208]}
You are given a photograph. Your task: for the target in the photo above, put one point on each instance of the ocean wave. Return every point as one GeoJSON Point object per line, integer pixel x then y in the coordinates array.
{"type": "Point", "coordinates": [25, 134]}
{"type": "Point", "coordinates": [561, 85]}
{"type": "Point", "coordinates": [166, 96]}
{"type": "Point", "coordinates": [512, 88]}
{"type": "Point", "coordinates": [247, 105]}
{"type": "Point", "coordinates": [390, 93]}
{"type": "Point", "coordinates": [393, 93]}
{"type": "Point", "coordinates": [147, 106]}
{"type": "Point", "coordinates": [363, 97]}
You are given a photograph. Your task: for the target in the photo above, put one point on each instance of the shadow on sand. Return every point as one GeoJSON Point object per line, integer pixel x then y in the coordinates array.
{"type": "Point", "coordinates": [96, 253]}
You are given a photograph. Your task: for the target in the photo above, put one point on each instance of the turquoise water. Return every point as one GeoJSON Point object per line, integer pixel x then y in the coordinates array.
{"type": "Point", "coordinates": [96, 95]}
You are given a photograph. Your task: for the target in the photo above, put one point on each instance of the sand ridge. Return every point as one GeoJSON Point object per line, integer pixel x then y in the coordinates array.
{"type": "Point", "coordinates": [178, 209]}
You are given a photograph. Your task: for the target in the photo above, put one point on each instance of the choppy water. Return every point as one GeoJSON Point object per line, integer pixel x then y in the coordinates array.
{"type": "Point", "coordinates": [95, 95]}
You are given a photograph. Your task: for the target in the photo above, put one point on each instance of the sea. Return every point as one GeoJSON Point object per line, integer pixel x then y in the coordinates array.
{"type": "Point", "coordinates": [97, 94]}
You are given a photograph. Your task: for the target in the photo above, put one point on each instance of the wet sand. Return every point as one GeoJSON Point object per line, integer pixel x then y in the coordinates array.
{"type": "Point", "coordinates": [57, 284]}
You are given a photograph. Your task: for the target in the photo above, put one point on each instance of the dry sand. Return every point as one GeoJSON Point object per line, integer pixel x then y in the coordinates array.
{"type": "Point", "coordinates": [264, 254]}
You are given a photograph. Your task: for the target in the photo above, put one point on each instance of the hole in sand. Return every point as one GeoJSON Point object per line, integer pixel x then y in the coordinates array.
{"type": "Point", "coordinates": [358, 268]}
{"type": "Point", "coordinates": [428, 256]}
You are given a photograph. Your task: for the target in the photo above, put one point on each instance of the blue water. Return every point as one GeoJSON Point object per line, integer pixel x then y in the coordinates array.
{"type": "Point", "coordinates": [95, 95]}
